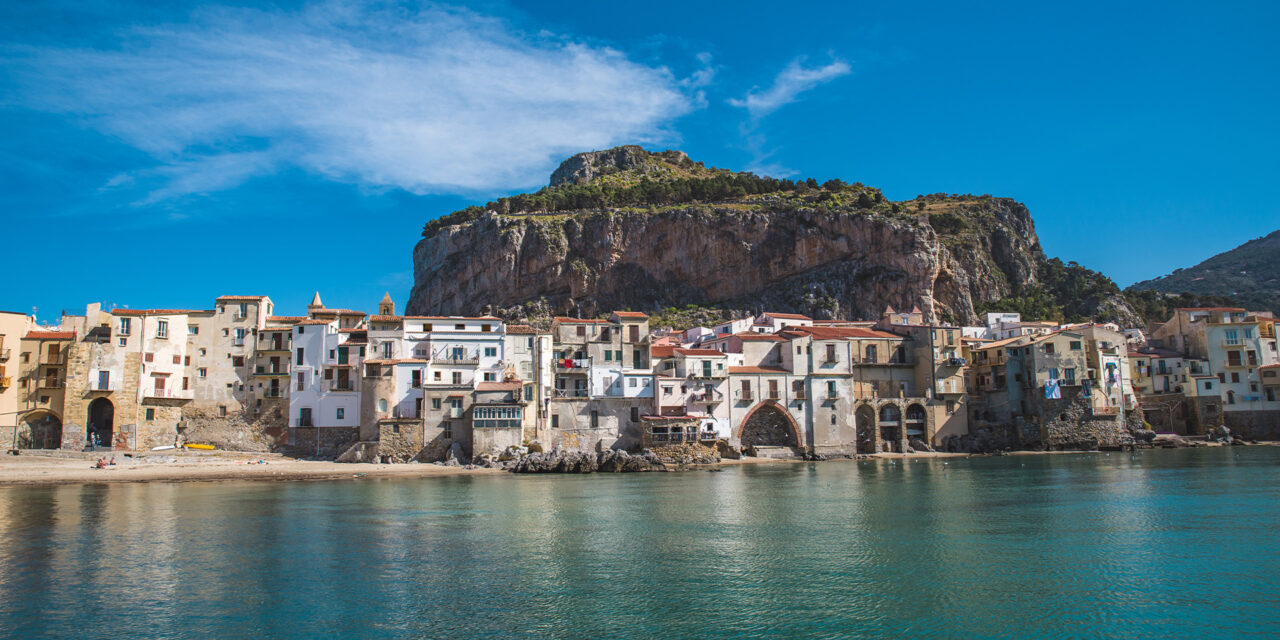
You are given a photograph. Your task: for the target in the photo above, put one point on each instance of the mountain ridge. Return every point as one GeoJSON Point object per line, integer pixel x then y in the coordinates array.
{"type": "Point", "coordinates": [1249, 275]}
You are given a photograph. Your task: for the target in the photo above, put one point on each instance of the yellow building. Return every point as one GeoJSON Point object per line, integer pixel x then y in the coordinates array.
{"type": "Point", "coordinates": [13, 326]}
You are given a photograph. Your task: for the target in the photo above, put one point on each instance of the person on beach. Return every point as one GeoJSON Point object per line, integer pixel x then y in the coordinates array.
{"type": "Point", "coordinates": [102, 464]}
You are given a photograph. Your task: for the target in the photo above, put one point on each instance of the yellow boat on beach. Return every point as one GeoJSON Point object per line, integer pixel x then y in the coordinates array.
{"type": "Point", "coordinates": [202, 447]}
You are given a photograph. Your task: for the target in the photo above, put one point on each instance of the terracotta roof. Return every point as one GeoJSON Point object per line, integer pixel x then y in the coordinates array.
{"type": "Point", "coordinates": [1151, 352]}
{"type": "Point", "coordinates": [397, 361]}
{"type": "Point", "coordinates": [314, 321]}
{"type": "Point", "coordinates": [757, 370]}
{"type": "Point", "coordinates": [1270, 366]}
{"type": "Point", "coordinates": [513, 385]}
{"type": "Point", "coordinates": [157, 312]}
{"type": "Point", "coordinates": [452, 318]}
{"type": "Point", "coordinates": [787, 316]}
{"type": "Point", "coordinates": [662, 351]}
{"type": "Point", "coordinates": [338, 312]}
{"type": "Point", "coordinates": [839, 333]}
{"type": "Point", "coordinates": [759, 337]}
{"type": "Point", "coordinates": [630, 314]}
{"type": "Point", "coordinates": [567, 320]}
{"type": "Point", "coordinates": [1211, 309]}
{"type": "Point", "coordinates": [50, 335]}
{"type": "Point", "coordinates": [698, 352]}
{"type": "Point", "coordinates": [521, 329]}
{"type": "Point", "coordinates": [386, 318]}
{"type": "Point", "coordinates": [685, 417]}
{"type": "Point", "coordinates": [353, 330]}
{"type": "Point", "coordinates": [286, 319]}
{"type": "Point", "coordinates": [999, 343]}
{"type": "Point", "coordinates": [240, 297]}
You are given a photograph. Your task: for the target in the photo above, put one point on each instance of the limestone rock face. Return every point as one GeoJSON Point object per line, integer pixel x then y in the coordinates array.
{"type": "Point", "coordinates": [841, 253]}
{"type": "Point", "coordinates": [829, 266]}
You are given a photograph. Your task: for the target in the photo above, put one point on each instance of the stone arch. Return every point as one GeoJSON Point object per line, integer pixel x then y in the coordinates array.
{"type": "Point", "coordinates": [769, 425]}
{"type": "Point", "coordinates": [39, 429]}
{"type": "Point", "coordinates": [891, 427]}
{"type": "Point", "coordinates": [865, 422]}
{"type": "Point", "coordinates": [915, 421]}
{"type": "Point", "coordinates": [101, 422]}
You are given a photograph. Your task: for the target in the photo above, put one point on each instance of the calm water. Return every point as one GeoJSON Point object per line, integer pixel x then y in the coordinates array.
{"type": "Point", "coordinates": [1161, 544]}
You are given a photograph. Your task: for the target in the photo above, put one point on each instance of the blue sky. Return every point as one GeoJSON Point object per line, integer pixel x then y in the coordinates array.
{"type": "Point", "coordinates": [158, 156]}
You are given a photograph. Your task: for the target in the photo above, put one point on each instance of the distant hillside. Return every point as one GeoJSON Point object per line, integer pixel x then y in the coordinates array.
{"type": "Point", "coordinates": [1248, 274]}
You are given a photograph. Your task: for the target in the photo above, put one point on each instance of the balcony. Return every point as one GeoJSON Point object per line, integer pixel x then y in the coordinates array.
{"type": "Point", "coordinates": [800, 394]}
{"type": "Point", "coordinates": [954, 362]}
{"type": "Point", "coordinates": [6, 382]}
{"type": "Point", "coordinates": [833, 394]}
{"type": "Point", "coordinates": [273, 393]}
{"type": "Point", "coordinates": [571, 393]}
{"type": "Point", "coordinates": [709, 396]}
{"type": "Point", "coordinates": [742, 395]}
{"type": "Point", "coordinates": [56, 359]}
{"type": "Point", "coordinates": [341, 386]}
{"type": "Point", "coordinates": [100, 385]}
{"type": "Point", "coordinates": [582, 366]}
{"type": "Point", "coordinates": [1233, 344]}
{"type": "Point", "coordinates": [167, 394]}
{"type": "Point", "coordinates": [4, 355]}
{"type": "Point", "coordinates": [270, 371]}
{"type": "Point", "coordinates": [51, 383]}
{"type": "Point", "coordinates": [708, 375]}
{"type": "Point", "coordinates": [451, 359]}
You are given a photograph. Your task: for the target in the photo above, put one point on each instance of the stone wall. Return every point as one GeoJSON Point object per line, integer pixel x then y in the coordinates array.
{"type": "Point", "coordinates": [233, 433]}
{"type": "Point", "coordinates": [1253, 425]}
{"type": "Point", "coordinates": [400, 440]}
{"type": "Point", "coordinates": [1069, 425]}
{"type": "Point", "coordinates": [324, 442]}
{"type": "Point", "coordinates": [492, 440]}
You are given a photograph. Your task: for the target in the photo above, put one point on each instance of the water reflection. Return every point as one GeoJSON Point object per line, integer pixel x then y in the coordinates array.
{"type": "Point", "coordinates": [1049, 546]}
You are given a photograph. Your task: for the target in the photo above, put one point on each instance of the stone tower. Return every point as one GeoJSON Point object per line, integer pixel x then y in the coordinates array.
{"type": "Point", "coordinates": [387, 307]}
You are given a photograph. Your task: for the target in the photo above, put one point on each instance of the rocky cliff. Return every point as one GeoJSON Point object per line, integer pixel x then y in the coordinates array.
{"type": "Point", "coordinates": [630, 229]}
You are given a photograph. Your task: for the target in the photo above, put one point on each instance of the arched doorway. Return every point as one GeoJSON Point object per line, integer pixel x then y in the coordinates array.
{"type": "Point", "coordinates": [865, 419]}
{"type": "Point", "coordinates": [40, 430]}
{"type": "Point", "coordinates": [768, 425]}
{"type": "Point", "coordinates": [101, 422]}
{"type": "Point", "coordinates": [915, 423]}
{"type": "Point", "coordinates": [890, 427]}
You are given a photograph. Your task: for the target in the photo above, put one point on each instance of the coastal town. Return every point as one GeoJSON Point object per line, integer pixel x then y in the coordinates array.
{"type": "Point", "coordinates": [347, 385]}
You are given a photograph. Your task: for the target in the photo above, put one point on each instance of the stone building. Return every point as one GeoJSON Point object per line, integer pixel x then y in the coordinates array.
{"type": "Point", "coordinates": [603, 381]}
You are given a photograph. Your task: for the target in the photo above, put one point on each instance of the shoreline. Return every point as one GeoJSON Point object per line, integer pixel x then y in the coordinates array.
{"type": "Point", "coordinates": [39, 470]}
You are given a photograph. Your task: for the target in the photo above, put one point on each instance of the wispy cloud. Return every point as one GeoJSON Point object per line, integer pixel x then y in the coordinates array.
{"type": "Point", "coordinates": [794, 80]}
{"type": "Point", "coordinates": [432, 100]}
{"type": "Point", "coordinates": [787, 86]}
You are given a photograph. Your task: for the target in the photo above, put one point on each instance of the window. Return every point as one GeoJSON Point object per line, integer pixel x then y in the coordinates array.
{"type": "Point", "coordinates": [193, 330]}
{"type": "Point", "coordinates": [490, 352]}
{"type": "Point", "coordinates": [382, 405]}
{"type": "Point", "coordinates": [149, 357]}
{"type": "Point", "coordinates": [528, 393]}
{"type": "Point", "coordinates": [666, 390]}
{"type": "Point", "coordinates": [244, 309]}
{"type": "Point", "coordinates": [222, 411]}
{"type": "Point", "coordinates": [833, 418]}
{"type": "Point", "coordinates": [435, 403]}
{"type": "Point", "coordinates": [237, 361]}
{"type": "Point", "coordinates": [831, 353]}
{"type": "Point", "coordinates": [608, 356]}
{"type": "Point", "coordinates": [496, 417]}
{"type": "Point", "coordinates": [300, 356]}
{"type": "Point", "coordinates": [124, 341]}
{"type": "Point", "coordinates": [302, 381]}
{"type": "Point", "coordinates": [595, 419]}
{"type": "Point", "coordinates": [240, 333]}
{"type": "Point", "coordinates": [341, 412]}
{"type": "Point", "coordinates": [831, 388]}
{"type": "Point", "coordinates": [631, 382]}
{"type": "Point", "coordinates": [617, 355]}
{"type": "Point", "coordinates": [1048, 347]}
{"type": "Point", "coordinates": [436, 376]}
{"type": "Point", "coordinates": [186, 383]}
{"type": "Point", "coordinates": [201, 372]}
{"type": "Point", "coordinates": [177, 359]}
{"type": "Point", "coordinates": [426, 326]}
{"type": "Point", "coordinates": [304, 417]}
{"type": "Point", "coordinates": [447, 431]}
{"type": "Point", "coordinates": [1235, 376]}
{"type": "Point", "coordinates": [457, 377]}
{"type": "Point", "coordinates": [415, 380]}
{"type": "Point", "coordinates": [417, 407]}
{"type": "Point", "coordinates": [871, 353]}
{"type": "Point", "coordinates": [581, 330]}
{"type": "Point", "coordinates": [1208, 385]}
{"type": "Point", "coordinates": [203, 352]}
{"type": "Point", "coordinates": [162, 329]}
{"type": "Point", "coordinates": [459, 327]}
{"type": "Point", "coordinates": [1075, 345]}
{"type": "Point", "coordinates": [635, 414]}
{"type": "Point", "coordinates": [151, 414]}
{"type": "Point", "coordinates": [555, 421]}
{"type": "Point", "coordinates": [1069, 375]}
{"type": "Point", "coordinates": [125, 325]}
{"type": "Point", "coordinates": [489, 376]}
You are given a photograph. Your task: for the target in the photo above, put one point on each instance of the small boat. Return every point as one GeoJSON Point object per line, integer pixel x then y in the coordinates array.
{"type": "Point", "coordinates": [202, 447]}
{"type": "Point", "coordinates": [164, 448]}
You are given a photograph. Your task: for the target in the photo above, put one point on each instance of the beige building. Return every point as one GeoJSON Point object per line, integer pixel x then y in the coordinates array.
{"type": "Point", "coordinates": [13, 326]}
{"type": "Point", "coordinates": [42, 381]}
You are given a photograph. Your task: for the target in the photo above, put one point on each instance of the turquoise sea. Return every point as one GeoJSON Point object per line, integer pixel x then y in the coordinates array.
{"type": "Point", "coordinates": [1158, 544]}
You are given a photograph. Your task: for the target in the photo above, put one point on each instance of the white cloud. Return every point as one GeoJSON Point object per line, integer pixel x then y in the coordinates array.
{"type": "Point", "coordinates": [437, 100]}
{"type": "Point", "coordinates": [787, 87]}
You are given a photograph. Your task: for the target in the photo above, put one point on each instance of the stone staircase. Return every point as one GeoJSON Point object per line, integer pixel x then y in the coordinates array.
{"type": "Point", "coordinates": [364, 451]}
{"type": "Point", "coordinates": [776, 453]}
